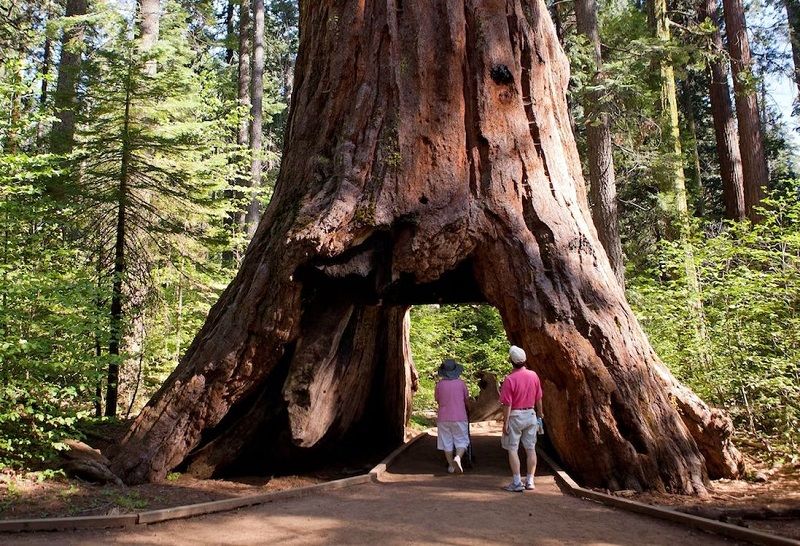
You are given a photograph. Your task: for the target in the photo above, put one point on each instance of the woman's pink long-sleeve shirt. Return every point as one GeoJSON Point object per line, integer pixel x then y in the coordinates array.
{"type": "Point", "coordinates": [452, 396]}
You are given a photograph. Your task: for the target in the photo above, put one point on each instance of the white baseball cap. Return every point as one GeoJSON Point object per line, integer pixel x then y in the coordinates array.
{"type": "Point", "coordinates": [517, 355]}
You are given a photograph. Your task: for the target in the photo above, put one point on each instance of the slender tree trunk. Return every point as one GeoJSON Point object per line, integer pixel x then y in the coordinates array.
{"type": "Point", "coordinates": [15, 116]}
{"type": "Point", "coordinates": [65, 103]}
{"type": "Point", "coordinates": [727, 138]}
{"type": "Point", "coordinates": [691, 128]}
{"type": "Point", "coordinates": [673, 180]}
{"type": "Point", "coordinates": [256, 117]}
{"type": "Point", "coordinates": [556, 9]}
{"type": "Point", "coordinates": [793, 19]}
{"type": "Point", "coordinates": [236, 217]}
{"type": "Point", "coordinates": [47, 51]}
{"type": "Point", "coordinates": [428, 158]}
{"type": "Point", "coordinates": [244, 79]}
{"type": "Point", "coordinates": [116, 330]}
{"type": "Point", "coordinates": [150, 20]}
{"type": "Point", "coordinates": [229, 35]}
{"type": "Point", "coordinates": [751, 144]}
{"type": "Point", "coordinates": [98, 343]}
{"type": "Point", "coordinates": [602, 182]}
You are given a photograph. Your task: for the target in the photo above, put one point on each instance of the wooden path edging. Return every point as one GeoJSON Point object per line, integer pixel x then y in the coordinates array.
{"type": "Point", "coordinates": [689, 520]}
{"type": "Point", "coordinates": [190, 510]}
{"type": "Point", "coordinates": [380, 469]}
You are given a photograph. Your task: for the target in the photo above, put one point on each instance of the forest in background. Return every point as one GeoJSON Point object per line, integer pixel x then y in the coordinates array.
{"type": "Point", "coordinates": [140, 141]}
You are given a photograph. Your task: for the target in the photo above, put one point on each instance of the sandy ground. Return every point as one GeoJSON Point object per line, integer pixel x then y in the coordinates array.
{"type": "Point", "coordinates": [417, 503]}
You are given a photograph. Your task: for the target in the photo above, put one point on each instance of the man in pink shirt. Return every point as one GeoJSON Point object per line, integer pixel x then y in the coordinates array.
{"type": "Point", "coordinates": [520, 394]}
{"type": "Point", "coordinates": [452, 425]}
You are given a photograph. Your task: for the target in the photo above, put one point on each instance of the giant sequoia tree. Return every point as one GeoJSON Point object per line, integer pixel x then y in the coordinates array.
{"type": "Point", "coordinates": [428, 157]}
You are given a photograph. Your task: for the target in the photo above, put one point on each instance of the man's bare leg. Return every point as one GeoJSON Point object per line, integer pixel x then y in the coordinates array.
{"type": "Point", "coordinates": [513, 461]}
{"type": "Point", "coordinates": [531, 464]}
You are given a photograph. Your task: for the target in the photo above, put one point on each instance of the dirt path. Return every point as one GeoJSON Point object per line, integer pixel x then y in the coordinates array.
{"type": "Point", "coordinates": [418, 503]}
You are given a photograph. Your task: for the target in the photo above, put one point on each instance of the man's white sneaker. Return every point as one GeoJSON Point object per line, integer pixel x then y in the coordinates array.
{"type": "Point", "coordinates": [457, 464]}
{"type": "Point", "coordinates": [529, 486]}
{"type": "Point", "coordinates": [515, 487]}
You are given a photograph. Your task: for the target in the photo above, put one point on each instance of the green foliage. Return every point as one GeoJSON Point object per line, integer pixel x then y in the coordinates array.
{"type": "Point", "coordinates": [47, 318]}
{"type": "Point", "coordinates": [750, 279]}
{"type": "Point", "coordinates": [471, 334]}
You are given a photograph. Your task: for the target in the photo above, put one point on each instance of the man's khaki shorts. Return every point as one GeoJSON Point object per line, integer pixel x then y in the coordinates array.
{"type": "Point", "coordinates": [523, 427]}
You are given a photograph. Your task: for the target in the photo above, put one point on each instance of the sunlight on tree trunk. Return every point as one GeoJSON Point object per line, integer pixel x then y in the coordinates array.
{"type": "Point", "coordinates": [751, 142]}
{"type": "Point", "coordinates": [419, 168]}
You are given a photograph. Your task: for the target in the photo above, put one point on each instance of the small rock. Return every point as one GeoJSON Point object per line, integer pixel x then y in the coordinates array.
{"type": "Point", "coordinates": [760, 477]}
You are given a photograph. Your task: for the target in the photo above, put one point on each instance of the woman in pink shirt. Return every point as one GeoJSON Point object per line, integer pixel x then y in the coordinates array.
{"type": "Point", "coordinates": [452, 424]}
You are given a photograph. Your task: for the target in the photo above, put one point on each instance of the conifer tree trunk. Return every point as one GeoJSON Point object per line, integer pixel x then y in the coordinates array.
{"type": "Point", "coordinates": [15, 115]}
{"type": "Point", "coordinates": [256, 116]}
{"type": "Point", "coordinates": [428, 158]}
{"type": "Point", "coordinates": [727, 138]}
{"type": "Point", "coordinates": [602, 181]}
{"type": "Point", "coordinates": [150, 20]}
{"type": "Point", "coordinates": [229, 35]}
{"type": "Point", "coordinates": [236, 216]}
{"type": "Point", "coordinates": [673, 180]}
{"type": "Point", "coordinates": [691, 128]}
{"type": "Point", "coordinates": [751, 144]}
{"type": "Point", "coordinates": [47, 53]}
{"type": "Point", "coordinates": [120, 266]}
{"type": "Point", "coordinates": [65, 102]}
{"type": "Point", "coordinates": [793, 20]}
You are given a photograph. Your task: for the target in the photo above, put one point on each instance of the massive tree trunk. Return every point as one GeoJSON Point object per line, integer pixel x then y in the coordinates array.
{"type": "Point", "coordinates": [65, 103]}
{"type": "Point", "coordinates": [727, 139]}
{"type": "Point", "coordinates": [751, 144]}
{"type": "Point", "coordinates": [256, 117]}
{"type": "Point", "coordinates": [602, 181]}
{"type": "Point", "coordinates": [428, 158]}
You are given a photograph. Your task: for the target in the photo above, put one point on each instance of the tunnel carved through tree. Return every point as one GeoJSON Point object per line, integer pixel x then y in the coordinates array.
{"type": "Point", "coordinates": [429, 158]}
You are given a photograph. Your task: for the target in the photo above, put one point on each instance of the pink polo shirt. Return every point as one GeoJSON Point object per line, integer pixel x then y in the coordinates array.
{"type": "Point", "coordinates": [452, 396]}
{"type": "Point", "coordinates": [521, 389]}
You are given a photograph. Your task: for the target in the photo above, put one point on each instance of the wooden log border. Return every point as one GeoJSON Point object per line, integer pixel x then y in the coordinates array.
{"type": "Point", "coordinates": [568, 485]}
{"type": "Point", "coordinates": [201, 509]}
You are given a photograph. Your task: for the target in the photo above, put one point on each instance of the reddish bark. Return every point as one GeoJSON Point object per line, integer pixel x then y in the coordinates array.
{"type": "Point", "coordinates": [727, 139]}
{"type": "Point", "coordinates": [429, 158]}
{"type": "Point", "coordinates": [603, 183]}
{"type": "Point", "coordinates": [751, 144]}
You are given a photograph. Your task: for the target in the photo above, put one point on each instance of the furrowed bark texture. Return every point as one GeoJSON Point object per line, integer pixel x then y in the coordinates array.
{"type": "Point", "coordinates": [603, 183]}
{"type": "Point", "coordinates": [793, 21]}
{"type": "Point", "coordinates": [751, 144]}
{"type": "Point", "coordinates": [256, 116]}
{"type": "Point", "coordinates": [429, 158]}
{"type": "Point", "coordinates": [727, 138]}
{"type": "Point", "coordinates": [65, 103]}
